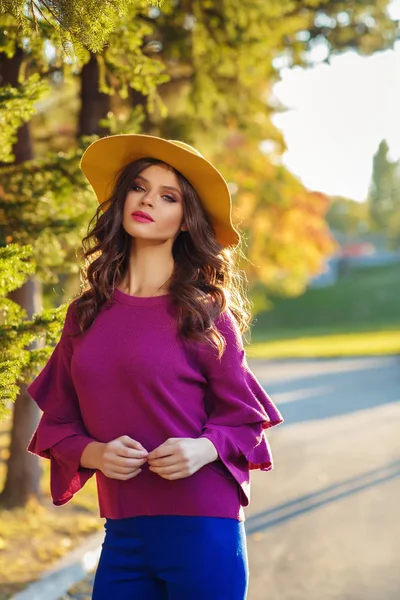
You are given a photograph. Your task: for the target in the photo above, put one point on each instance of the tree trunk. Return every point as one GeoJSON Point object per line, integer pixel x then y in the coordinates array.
{"type": "Point", "coordinates": [23, 468]}
{"type": "Point", "coordinates": [94, 104]}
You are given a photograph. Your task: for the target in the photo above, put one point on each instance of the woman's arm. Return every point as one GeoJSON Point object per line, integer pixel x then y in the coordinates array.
{"type": "Point", "coordinates": [61, 435]}
{"type": "Point", "coordinates": [239, 410]}
{"type": "Point", "coordinates": [91, 457]}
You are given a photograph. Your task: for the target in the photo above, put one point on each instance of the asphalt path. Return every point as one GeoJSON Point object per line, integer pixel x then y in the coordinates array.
{"type": "Point", "coordinates": [324, 524]}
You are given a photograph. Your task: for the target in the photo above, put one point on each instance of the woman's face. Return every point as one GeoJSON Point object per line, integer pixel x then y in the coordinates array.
{"type": "Point", "coordinates": [155, 192]}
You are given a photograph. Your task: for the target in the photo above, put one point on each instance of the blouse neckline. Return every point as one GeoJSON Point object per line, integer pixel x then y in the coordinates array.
{"type": "Point", "coordinates": [140, 300]}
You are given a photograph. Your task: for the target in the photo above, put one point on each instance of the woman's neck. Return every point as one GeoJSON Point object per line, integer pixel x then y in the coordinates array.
{"type": "Point", "coordinates": [149, 269]}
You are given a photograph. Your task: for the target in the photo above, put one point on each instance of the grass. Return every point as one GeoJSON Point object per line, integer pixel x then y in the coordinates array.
{"type": "Point", "coordinates": [32, 538]}
{"type": "Point", "coordinates": [351, 344]}
{"type": "Point", "coordinates": [360, 314]}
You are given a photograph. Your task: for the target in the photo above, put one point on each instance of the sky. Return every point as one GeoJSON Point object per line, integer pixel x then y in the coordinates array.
{"type": "Point", "coordinates": [337, 116]}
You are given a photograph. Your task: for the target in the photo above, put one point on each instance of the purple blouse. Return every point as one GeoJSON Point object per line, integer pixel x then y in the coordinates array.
{"type": "Point", "coordinates": [131, 374]}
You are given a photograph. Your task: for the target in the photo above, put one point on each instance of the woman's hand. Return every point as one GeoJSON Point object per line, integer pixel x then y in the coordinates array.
{"type": "Point", "coordinates": [177, 458]}
{"type": "Point", "coordinates": [119, 459]}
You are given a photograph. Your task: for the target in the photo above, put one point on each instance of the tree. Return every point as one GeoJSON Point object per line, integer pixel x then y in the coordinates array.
{"type": "Point", "coordinates": [72, 26]}
{"type": "Point", "coordinates": [384, 193]}
{"type": "Point", "coordinates": [348, 216]}
{"type": "Point", "coordinates": [286, 236]}
{"type": "Point", "coordinates": [52, 223]}
{"type": "Point", "coordinates": [223, 57]}
{"type": "Point", "coordinates": [22, 352]}
{"type": "Point", "coordinates": [15, 266]}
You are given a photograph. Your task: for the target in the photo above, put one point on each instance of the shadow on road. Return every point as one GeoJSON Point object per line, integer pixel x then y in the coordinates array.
{"type": "Point", "coordinates": [303, 504]}
{"type": "Point", "coordinates": [332, 388]}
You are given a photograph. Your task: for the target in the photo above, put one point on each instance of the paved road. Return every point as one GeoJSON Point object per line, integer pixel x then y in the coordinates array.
{"type": "Point", "coordinates": [325, 523]}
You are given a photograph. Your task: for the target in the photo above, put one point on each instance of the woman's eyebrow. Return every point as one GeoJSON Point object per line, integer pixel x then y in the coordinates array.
{"type": "Point", "coordinates": [170, 187]}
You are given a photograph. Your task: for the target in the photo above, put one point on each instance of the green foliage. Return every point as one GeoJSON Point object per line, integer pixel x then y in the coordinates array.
{"type": "Point", "coordinates": [384, 196]}
{"type": "Point", "coordinates": [223, 56]}
{"type": "Point", "coordinates": [15, 266]}
{"type": "Point", "coordinates": [17, 105]}
{"type": "Point", "coordinates": [17, 332]}
{"type": "Point", "coordinates": [348, 216]}
{"type": "Point", "coordinates": [359, 25]}
{"type": "Point", "coordinates": [76, 24]}
{"type": "Point", "coordinates": [285, 233]}
{"type": "Point", "coordinates": [47, 201]}
{"type": "Point", "coordinates": [125, 63]}
{"type": "Point", "coordinates": [124, 52]}
{"type": "Point", "coordinates": [381, 213]}
{"type": "Point", "coordinates": [129, 121]}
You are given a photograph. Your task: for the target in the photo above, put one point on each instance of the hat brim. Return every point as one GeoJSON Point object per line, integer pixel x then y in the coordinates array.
{"type": "Point", "coordinates": [105, 157]}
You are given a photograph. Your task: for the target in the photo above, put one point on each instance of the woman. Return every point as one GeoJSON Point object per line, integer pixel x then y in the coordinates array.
{"type": "Point", "coordinates": [149, 387]}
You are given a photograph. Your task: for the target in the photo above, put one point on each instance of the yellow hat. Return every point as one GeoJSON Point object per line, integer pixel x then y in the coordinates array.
{"type": "Point", "coordinates": [104, 158]}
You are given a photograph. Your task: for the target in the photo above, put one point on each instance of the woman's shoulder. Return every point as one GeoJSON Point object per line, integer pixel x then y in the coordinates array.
{"type": "Point", "coordinates": [72, 309]}
{"type": "Point", "coordinates": [226, 326]}
{"type": "Point", "coordinates": [71, 321]}
{"type": "Point", "coordinates": [226, 322]}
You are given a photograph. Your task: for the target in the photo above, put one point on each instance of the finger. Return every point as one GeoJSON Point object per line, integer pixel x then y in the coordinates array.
{"type": "Point", "coordinates": [131, 443]}
{"type": "Point", "coordinates": [115, 459]}
{"type": "Point", "coordinates": [122, 470]}
{"type": "Point", "coordinates": [126, 452]}
{"type": "Point", "coordinates": [130, 463]}
{"type": "Point", "coordinates": [166, 461]}
{"type": "Point", "coordinates": [163, 450]}
{"type": "Point", "coordinates": [165, 469]}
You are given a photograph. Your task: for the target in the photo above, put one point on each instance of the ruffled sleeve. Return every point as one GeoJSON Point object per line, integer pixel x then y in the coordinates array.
{"type": "Point", "coordinates": [60, 435]}
{"type": "Point", "coordinates": [239, 410]}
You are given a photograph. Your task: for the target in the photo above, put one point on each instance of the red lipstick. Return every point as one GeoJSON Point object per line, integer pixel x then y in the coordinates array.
{"type": "Point", "coordinates": [141, 216]}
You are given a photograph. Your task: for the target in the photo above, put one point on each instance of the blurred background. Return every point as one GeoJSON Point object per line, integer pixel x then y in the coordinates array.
{"type": "Point", "coordinates": [296, 102]}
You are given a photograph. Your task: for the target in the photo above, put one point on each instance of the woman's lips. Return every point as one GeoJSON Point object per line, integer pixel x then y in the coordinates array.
{"type": "Point", "coordinates": [141, 218]}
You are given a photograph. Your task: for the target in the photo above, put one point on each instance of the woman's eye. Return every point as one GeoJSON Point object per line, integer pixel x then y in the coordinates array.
{"type": "Point", "coordinates": [139, 188]}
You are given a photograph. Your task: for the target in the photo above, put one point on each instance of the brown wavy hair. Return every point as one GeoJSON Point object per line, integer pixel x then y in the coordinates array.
{"type": "Point", "coordinates": [205, 279]}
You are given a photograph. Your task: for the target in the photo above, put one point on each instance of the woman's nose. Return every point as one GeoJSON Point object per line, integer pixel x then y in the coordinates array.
{"type": "Point", "coordinates": [147, 199]}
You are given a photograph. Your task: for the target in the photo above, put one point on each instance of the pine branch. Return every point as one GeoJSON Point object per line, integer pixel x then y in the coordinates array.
{"type": "Point", "coordinates": [57, 18]}
{"type": "Point", "coordinates": [32, 3]}
{"type": "Point", "coordinates": [42, 14]}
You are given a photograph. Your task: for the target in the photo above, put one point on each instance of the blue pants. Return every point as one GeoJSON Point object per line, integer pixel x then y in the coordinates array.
{"type": "Point", "coordinates": [170, 557]}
